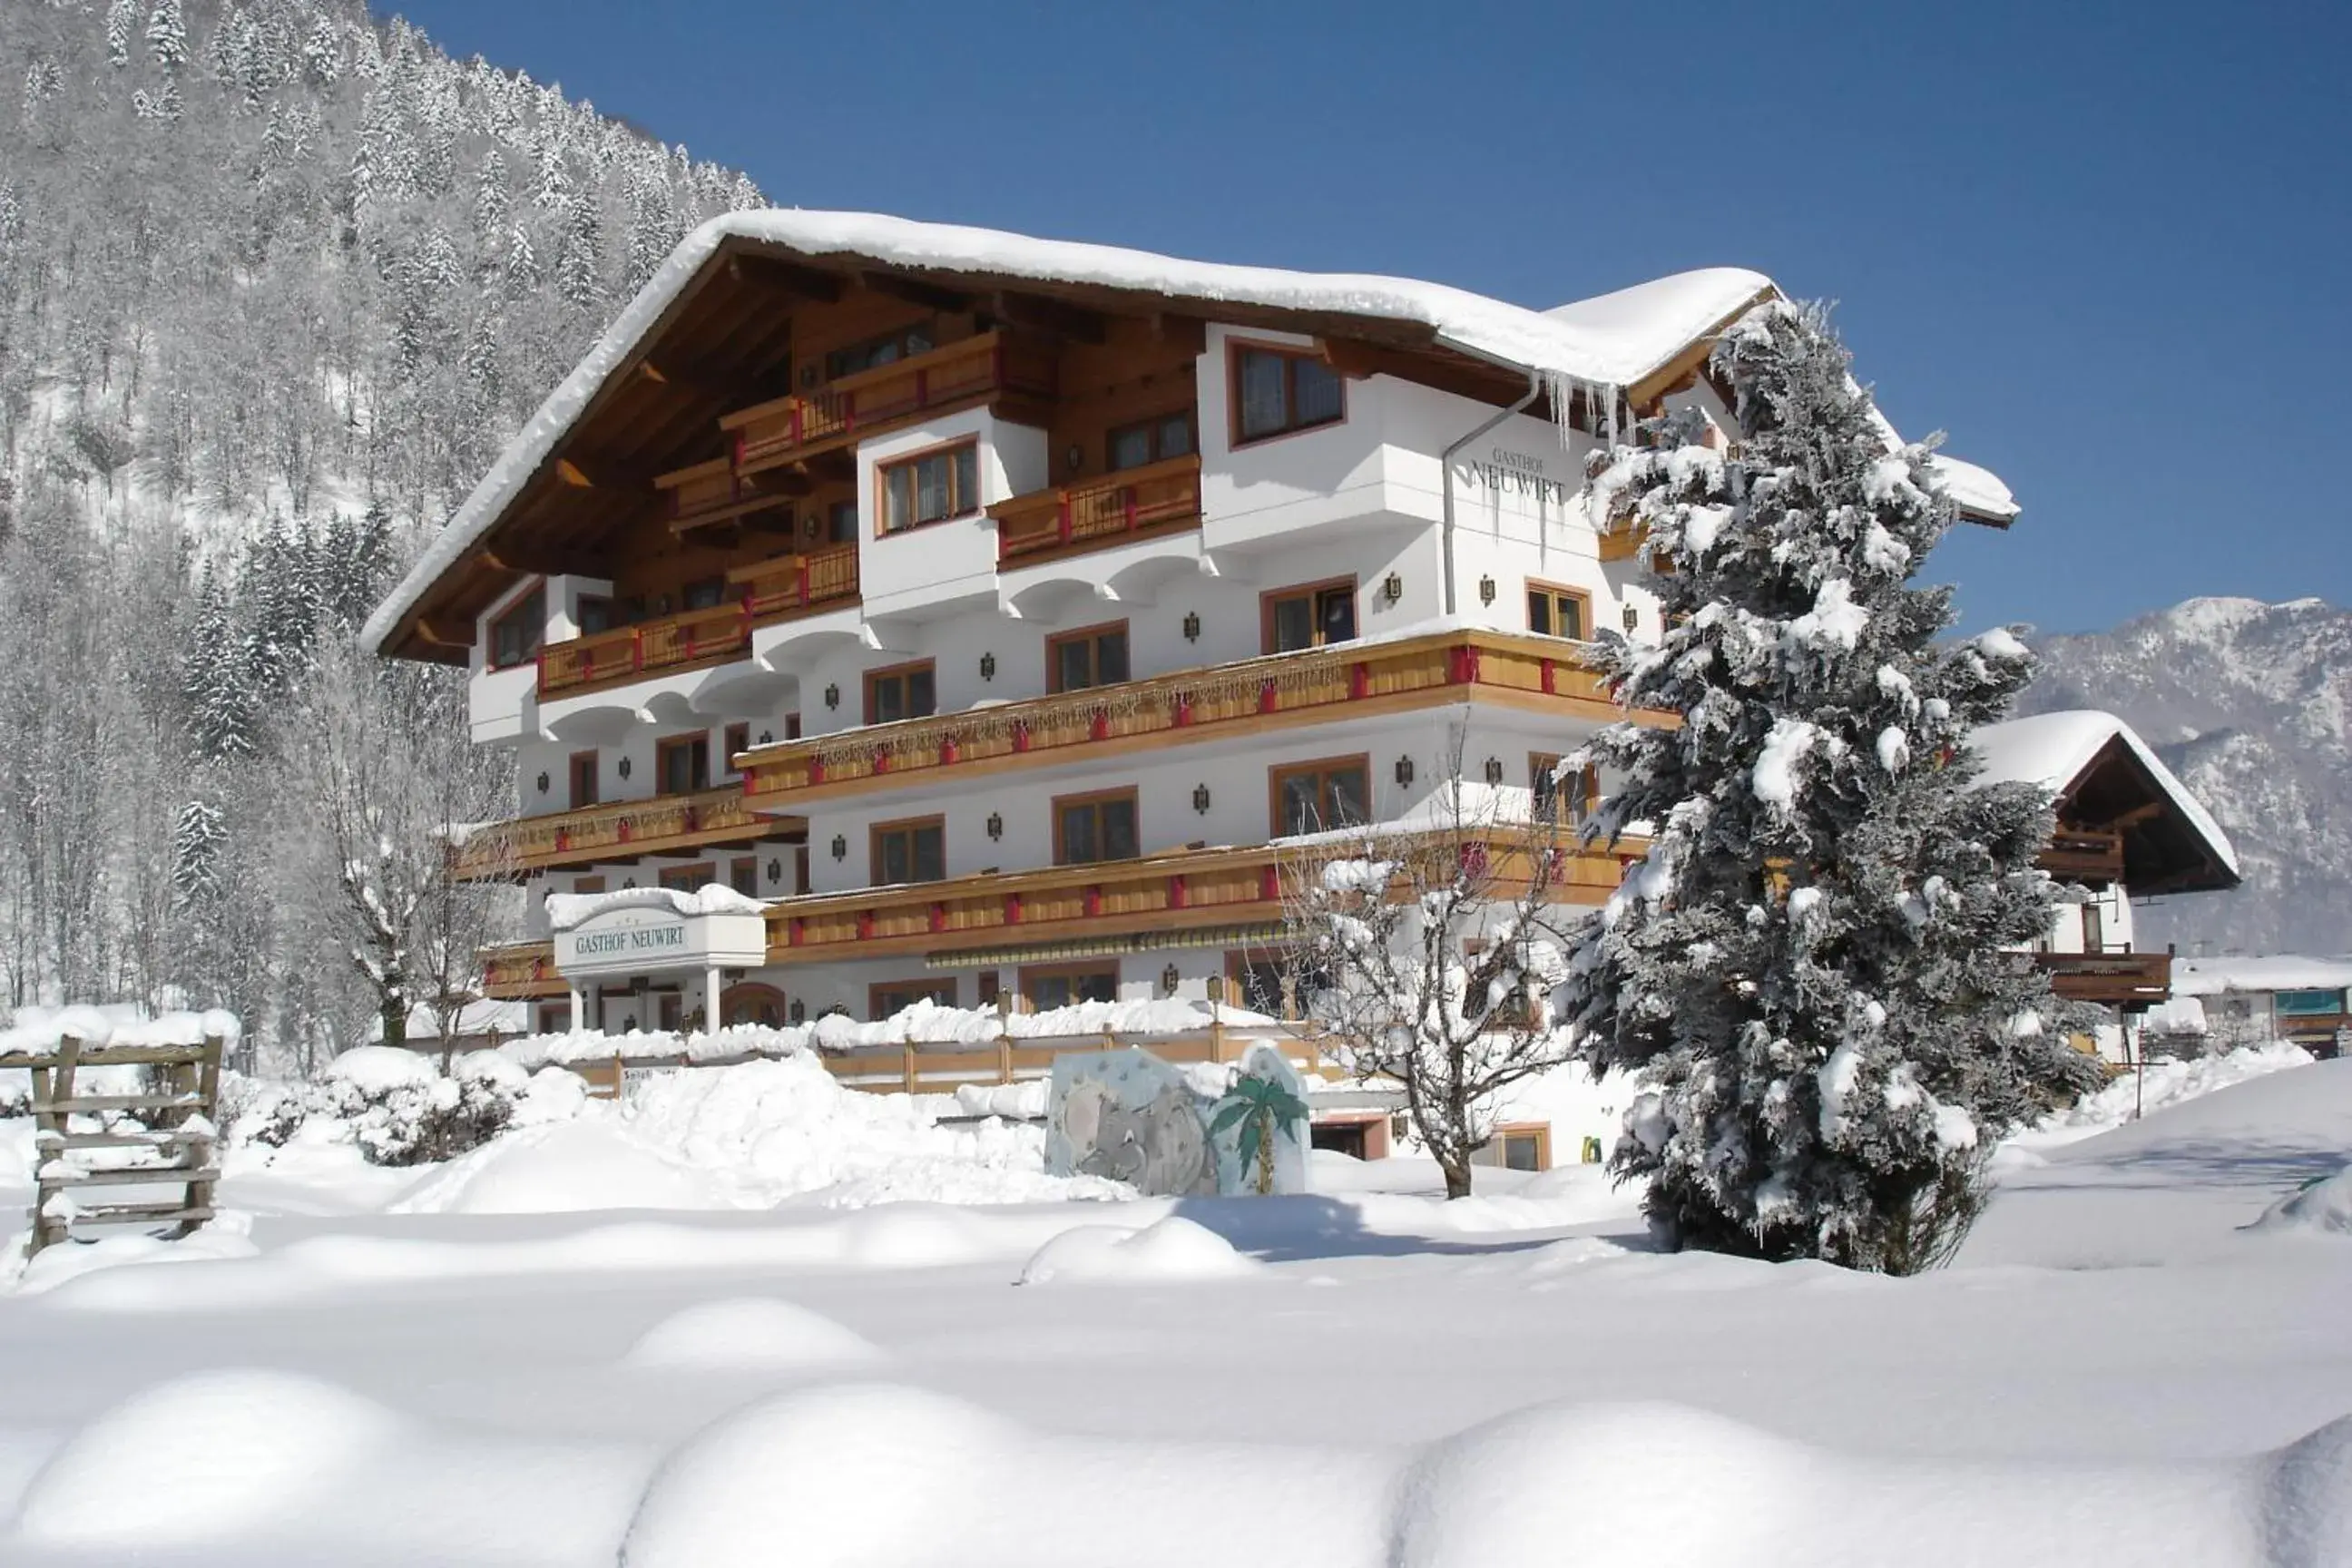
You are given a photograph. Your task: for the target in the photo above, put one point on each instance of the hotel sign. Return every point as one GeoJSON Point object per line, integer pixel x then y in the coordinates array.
{"type": "Point", "coordinates": [1505, 472]}
{"type": "Point", "coordinates": [625, 942]}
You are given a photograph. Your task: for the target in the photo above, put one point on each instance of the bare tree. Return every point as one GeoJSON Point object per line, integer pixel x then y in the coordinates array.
{"type": "Point", "coordinates": [386, 765]}
{"type": "Point", "coordinates": [1430, 948]}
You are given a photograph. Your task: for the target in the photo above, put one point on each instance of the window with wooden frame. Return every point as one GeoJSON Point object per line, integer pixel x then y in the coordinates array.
{"type": "Point", "coordinates": [1334, 792]}
{"type": "Point", "coordinates": [595, 614]}
{"type": "Point", "coordinates": [911, 851]}
{"type": "Point", "coordinates": [1088, 828]}
{"type": "Point", "coordinates": [1150, 440]}
{"type": "Point", "coordinates": [587, 884]}
{"type": "Point", "coordinates": [901, 692]}
{"type": "Point", "coordinates": [704, 593]}
{"type": "Point", "coordinates": [841, 523]}
{"type": "Point", "coordinates": [1093, 655]}
{"type": "Point", "coordinates": [918, 338]}
{"type": "Point", "coordinates": [737, 740]}
{"type": "Point", "coordinates": [989, 989]}
{"type": "Point", "coordinates": [929, 487]}
{"type": "Point", "coordinates": [1312, 614]}
{"type": "Point", "coordinates": [1525, 1146]}
{"type": "Point", "coordinates": [555, 1017]}
{"type": "Point", "coordinates": [888, 998]}
{"type": "Point", "coordinates": [682, 763]}
{"type": "Point", "coordinates": [688, 878]}
{"type": "Point", "coordinates": [743, 875]}
{"type": "Point", "coordinates": [516, 636]}
{"type": "Point", "coordinates": [1277, 391]}
{"type": "Point", "coordinates": [1566, 801]}
{"type": "Point", "coordinates": [582, 771]}
{"type": "Point", "coordinates": [1046, 986]}
{"type": "Point", "coordinates": [1557, 611]}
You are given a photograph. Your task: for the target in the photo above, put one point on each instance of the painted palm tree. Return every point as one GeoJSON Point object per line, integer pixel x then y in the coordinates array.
{"type": "Point", "coordinates": [1262, 1108]}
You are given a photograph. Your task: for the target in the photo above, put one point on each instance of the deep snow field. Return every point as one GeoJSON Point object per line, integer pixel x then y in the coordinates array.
{"type": "Point", "coordinates": [753, 1350]}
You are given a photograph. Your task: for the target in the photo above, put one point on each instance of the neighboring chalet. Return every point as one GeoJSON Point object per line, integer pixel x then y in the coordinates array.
{"type": "Point", "coordinates": [2248, 1000]}
{"type": "Point", "coordinates": [2128, 829]}
{"type": "Point", "coordinates": [987, 608]}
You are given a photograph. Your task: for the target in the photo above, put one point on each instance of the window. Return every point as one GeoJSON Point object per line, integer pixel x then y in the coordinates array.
{"type": "Point", "coordinates": [841, 523]}
{"type": "Point", "coordinates": [748, 1002]}
{"type": "Point", "coordinates": [891, 997]}
{"type": "Point", "coordinates": [901, 692]}
{"type": "Point", "coordinates": [583, 779]}
{"type": "Point", "coordinates": [909, 851]}
{"type": "Point", "coordinates": [515, 636]}
{"type": "Point", "coordinates": [588, 884]}
{"type": "Point", "coordinates": [1092, 827]}
{"type": "Point", "coordinates": [682, 763]}
{"type": "Point", "coordinates": [1066, 985]}
{"type": "Point", "coordinates": [555, 1017]}
{"type": "Point", "coordinates": [687, 879]}
{"type": "Point", "coordinates": [1151, 440]}
{"type": "Point", "coordinates": [1258, 981]}
{"type": "Point", "coordinates": [705, 593]}
{"type": "Point", "coordinates": [743, 876]}
{"type": "Point", "coordinates": [904, 343]}
{"type": "Point", "coordinates": [1567, 800]}
{"type": "Point", "coordinates": [793, 725]}
{"type": "Point", "coordinates": [595, 614]}
{"type": "Point", "coordinates": [1526, 1147]}
{"type": "Point", "coordinates": [2095, 928]}
{"type": "Point", "coordinates": [738, 741]}
{"type": "Point", "coordinates": [1311, 616]}
{"type": "Point", "coordinates": [931, 486]}
{"type": "Point", "coordinates": [1277, 391]}
{"type": "Point", "coordinates": [1558, 612]}
{"type": "Point", "coordinates": [1094, 657]}
{"type": "Point", "coordinates": [989, 988]}
{"type": "Point", "coordinates": [1311, 796]}
{"type": "Point", "coordinates": [2305, 1003]}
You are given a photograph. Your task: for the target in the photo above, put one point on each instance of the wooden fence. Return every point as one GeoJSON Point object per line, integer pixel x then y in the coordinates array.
{"type": "Point", "coordinates": [176, 1142]}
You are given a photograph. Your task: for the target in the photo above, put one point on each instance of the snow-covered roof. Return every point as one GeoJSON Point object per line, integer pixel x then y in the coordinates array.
{"type": "Point", "coordinates": [1975, 490]}
{"type": "Point", "coordinates": [487, 1015]}
{"type": "Point", "coordinates": [2052, 748]}
{"type": "Point", "coordinates": [565, 910]}
{"type": "Point", "coordinates": [1653, 321]}
{"type": "Point", "coordinates": [2262, 971]}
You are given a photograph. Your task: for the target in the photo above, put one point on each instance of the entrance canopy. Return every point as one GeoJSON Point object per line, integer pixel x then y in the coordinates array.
{"type": "Point", "coordinates": [651, 931]}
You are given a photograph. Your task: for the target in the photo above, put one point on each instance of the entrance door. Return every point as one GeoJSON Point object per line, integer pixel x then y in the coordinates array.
{"type": "Point", "coordinates": [1340, 1137]}
{"type": "Point", "coordinates": [670, 1009]}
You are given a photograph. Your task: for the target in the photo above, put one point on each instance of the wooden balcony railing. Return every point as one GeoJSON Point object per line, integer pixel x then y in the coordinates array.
{"type": "Point", "coordinates": [2091, 856]}
{"type": "Point", "coordinates": [622, 828]}
{"type": "Point", "coordinates": [1346, 680]}
{"type": "Point", "coordinates": [713, 492]}
{"type": "Point", "coordinates": [1182, 890]}
{"type": "Point", "coordinates": [990, 364]}
{"type": "Point", "coordinates": [519, 969]}
{"type": "Point", "coordinates": [770, 591]}
{"type": "Point", "coordinates": [2127, 979]}
{"type": "Point", "coordinates": [1108, 510]}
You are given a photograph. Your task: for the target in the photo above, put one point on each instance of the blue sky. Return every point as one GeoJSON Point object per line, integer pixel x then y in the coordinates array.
{"type": "Point", "coordinates": [2105, 247]}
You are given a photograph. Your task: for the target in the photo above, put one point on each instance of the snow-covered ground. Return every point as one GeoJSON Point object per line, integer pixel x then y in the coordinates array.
{"type": "Point", "coordinates": [767, 1360]}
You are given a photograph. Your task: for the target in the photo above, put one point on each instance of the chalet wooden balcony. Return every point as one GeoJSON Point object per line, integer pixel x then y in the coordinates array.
{"type": "Point", "coordinates": [519, 971]}
{"type": "Point", "coordinates": [2130, 981]}
{"type": "Point", "coordinates": [767, 592]}
{"type": "Point", "coordinates": [2093, 857]}
{"type": "Point", "coordinates": [1179, 890]}
{"type": "Point", "coordinates": [1346, 680]}
{"type": "Point", "coordinates": [663, 825]}
{"type": "Point", "coordinates": [981, 368]}
{"type": "Point", "coordinates": [1134, 503]}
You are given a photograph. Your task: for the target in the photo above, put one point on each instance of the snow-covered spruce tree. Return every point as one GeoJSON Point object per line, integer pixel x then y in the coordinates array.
{"type": "Point", "coordinates": [1429, 954]}
{"type": "Point", "coordinates": [1814, 965]}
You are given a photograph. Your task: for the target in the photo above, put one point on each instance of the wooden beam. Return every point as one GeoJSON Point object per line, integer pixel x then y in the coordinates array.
{"type": "Point", "coordinates": [1044, 315]}
{"type": "Point", "coordinates": [592, 474]}
{"type": "Point", "coordinates": [542, 560]}
{"type": "Point", "coordinates": [438, 636]}
{"type": "Point", "coordinates": [685, 378]}
{"type": "Point", "coordinates": [2135, 815]}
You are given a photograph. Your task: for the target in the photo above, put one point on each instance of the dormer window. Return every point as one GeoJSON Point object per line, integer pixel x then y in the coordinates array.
{"type": "Point", "coordinates": [516, 636]}
{"type": "Point", "coordinates": [905, 343]}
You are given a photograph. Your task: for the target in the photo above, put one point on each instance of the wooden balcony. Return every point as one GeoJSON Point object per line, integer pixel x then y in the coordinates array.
{"type": "Point", "coordinates": [1346, 680]}
{"type": "Point", "coordinates": [664, 824]}
{"type": "Point", "coordinates": [519, 971]}
{"type": "Point", "coordinates": [2090, 856]}
{"type": "Point", "coordinates": [1157, 498]}
{"type": "Point", "coordinates": [708, 494]}
{"type": "Point", "coordinates": [769, 591]}
{"type": "Point", "coordinates": [2131, 981]}
{"type": "Point", "coordinates": [1177, 890]}
{"type": "Point", "coordinates": [979, 369]}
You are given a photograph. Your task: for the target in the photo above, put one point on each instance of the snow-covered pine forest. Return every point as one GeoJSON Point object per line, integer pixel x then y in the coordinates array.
{"type": "Point", "coordinates": [276, 280]}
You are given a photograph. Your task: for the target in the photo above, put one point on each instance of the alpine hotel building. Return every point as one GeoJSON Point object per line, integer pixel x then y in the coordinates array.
{"type": "Point", "coordinates": [990, 608]}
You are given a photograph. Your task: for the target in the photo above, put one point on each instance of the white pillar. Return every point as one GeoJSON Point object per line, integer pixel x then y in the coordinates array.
{"type": "Point", "coordinates": [710, 989]}
{"type": "Point", "coordinates": [579, 1010]}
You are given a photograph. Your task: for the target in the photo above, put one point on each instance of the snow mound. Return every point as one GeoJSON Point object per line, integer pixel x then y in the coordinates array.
{"type": "Point", "coordinates": [211, 1453]}
{"type": "Point", "coordinates": [1174, 1248]}
{"type": "Point", "coordinates": [565, 1168]}
{"type": "Point", "coordinates": [2169, 1083]}
{"type": "Point", "coordinates": [749, 1332]}
{"type": "Point", "coordinates": [2322, 1204]}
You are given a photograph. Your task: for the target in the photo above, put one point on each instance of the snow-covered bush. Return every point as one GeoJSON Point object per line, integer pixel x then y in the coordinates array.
{"type": "Point", "coordinates": [16, 1094]}
{"type": "Point", "coordinates": [263, 1110]}
{"type": "Point", "coordinates": [403, 1111]}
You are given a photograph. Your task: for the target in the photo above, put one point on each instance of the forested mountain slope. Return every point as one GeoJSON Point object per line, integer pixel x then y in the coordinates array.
{"type": "Point", "coordinates": [276, 281]}
{"type": "Point", "coordinates": [2252, 705]}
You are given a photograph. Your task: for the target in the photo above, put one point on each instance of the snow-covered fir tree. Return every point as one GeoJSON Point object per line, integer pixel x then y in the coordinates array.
{"type": "Point", "coordinates": [1818, 965]}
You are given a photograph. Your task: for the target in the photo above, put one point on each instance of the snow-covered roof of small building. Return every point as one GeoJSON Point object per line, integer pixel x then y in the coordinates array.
{"type": "Point", "coordinates": [2057, 751]}
{"type": "Point", "coordinates": [2260, 971]}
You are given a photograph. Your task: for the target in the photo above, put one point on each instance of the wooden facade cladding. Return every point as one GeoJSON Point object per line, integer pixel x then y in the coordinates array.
{"type": "Point", "coordinates": [2130, 981]}
{"type": "Point", "coordinates": [766, 592]}
{"type": "Point", "coordinates": [1157, 498]}
{"type": "Point", "coordinates": [664, 824]}
{"type": "Point", "coordinates": [1344, 680]}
